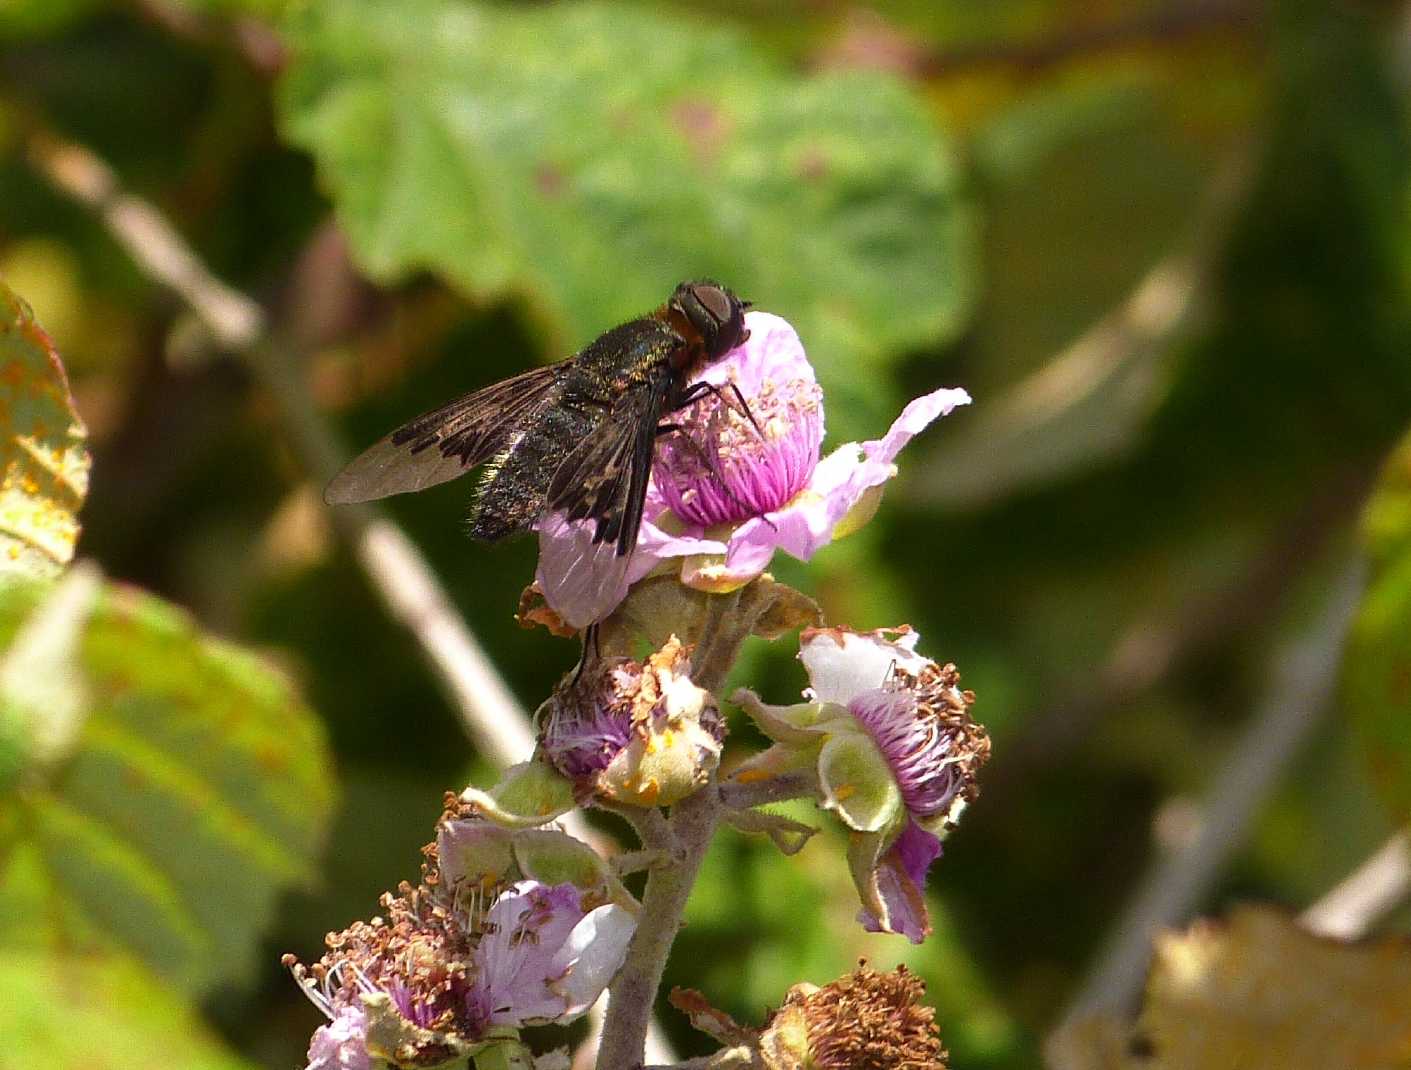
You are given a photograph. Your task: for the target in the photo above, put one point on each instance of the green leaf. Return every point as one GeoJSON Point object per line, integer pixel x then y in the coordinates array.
{"type": "Point", "coordinates": [42, 696]}
{"type": "Point", "coordinates": [593, 155]}
{"type": "Point", "coordinates": [43, 459]}
{"type": "Point", "coordinates": [196, 789]}
{"type": "Point", "coordinates": [1376, 683]}
{"type": "Point", "coordinates": [65, 1011]}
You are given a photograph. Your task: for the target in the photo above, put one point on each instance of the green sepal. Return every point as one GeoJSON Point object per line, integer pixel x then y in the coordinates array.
{"type": "Point", "coordinates": [857, 783]}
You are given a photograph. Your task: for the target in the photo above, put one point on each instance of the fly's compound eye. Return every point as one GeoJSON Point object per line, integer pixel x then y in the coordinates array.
{"type": "Point", "coordinates": [714, 311]}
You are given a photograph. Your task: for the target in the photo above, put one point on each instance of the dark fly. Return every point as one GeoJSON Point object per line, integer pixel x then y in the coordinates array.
{"type": "Point", "coordinates": [575, 438]}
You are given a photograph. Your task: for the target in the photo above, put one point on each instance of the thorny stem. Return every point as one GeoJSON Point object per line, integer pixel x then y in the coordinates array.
{"type": "Point", "coordinates": [692, 824]}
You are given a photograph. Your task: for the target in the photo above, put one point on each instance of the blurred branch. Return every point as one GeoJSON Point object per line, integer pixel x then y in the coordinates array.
{"type": "Point", "coordinates": [1122, 359]}
{"type": "Point", "coordinates": [1092, 397]}
{"type": "Point", "coordinates": [493, 719]}
{"type": "Point", "coordinates": [1161, 642]}
{"type": "Point", "coordinates": [257, 42]}
{"type": "Point", "coordinates": [236, 322]}
{"type": "Point", "coordinates": [1299, 689]}
{"type": "Point", "coordinates": [1374, 889]}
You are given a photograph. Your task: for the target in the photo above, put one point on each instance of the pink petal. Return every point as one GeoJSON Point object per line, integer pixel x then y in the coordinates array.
{"type": "Point", "coordinates": [342, 1043]}
{"type": "Point", "coordinates": [807, 523]}
{"type": "Point", "coordinates": [591, 957]}
{"type": "Point", "coordinates": [900, 884]}
{"type": "Point", "coordinates": [846, 474]}
{"type": "Point", "coordinates": [543, 959]}
{"type": "Point", "coordinates": [772, 351]}
{"type": "Point", "coordinates": [583, 582]}
{"type": "Point", "coordinates": [914, 419]}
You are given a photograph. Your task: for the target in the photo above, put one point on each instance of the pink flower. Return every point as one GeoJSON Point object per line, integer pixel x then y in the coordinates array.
{"type": "Point", "coordinates": [889, 738]}
{"type": "Point", "coordinates": [447, 970]}
{"type": "Point", "coordinates": [545, 956]}
{"type": "Point", "coordinates": [727, 492]}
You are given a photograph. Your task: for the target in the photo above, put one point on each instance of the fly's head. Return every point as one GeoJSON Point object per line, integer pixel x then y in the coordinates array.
{"type": "Point", "coordinates": [713, 313]}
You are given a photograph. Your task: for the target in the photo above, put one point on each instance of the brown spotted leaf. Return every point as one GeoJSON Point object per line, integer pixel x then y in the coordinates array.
{"type": "Point", "coordinates": [591, 155]}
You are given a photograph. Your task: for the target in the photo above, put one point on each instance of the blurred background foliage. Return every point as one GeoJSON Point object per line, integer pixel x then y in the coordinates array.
{"type": "Point", "coordinates": [1164, 244]}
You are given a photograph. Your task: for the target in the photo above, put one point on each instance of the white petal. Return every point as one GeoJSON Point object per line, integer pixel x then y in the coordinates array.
{"type": "Point", "coordinates": [592, 955]}
{"type": "Point", "coordinates": [842, 664]}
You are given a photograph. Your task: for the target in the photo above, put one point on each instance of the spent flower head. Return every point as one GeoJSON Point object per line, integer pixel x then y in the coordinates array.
{"type": "Point", "coordinates": [635, 732]}
{"type": "Point", "coordinates": [863, 1021]}
{"type": "Point", "coordinates": [888, 739]}
{"type": "Point", "coordinates": [461, 961]}
{"type": "Point", "coordinates": [731, 488]}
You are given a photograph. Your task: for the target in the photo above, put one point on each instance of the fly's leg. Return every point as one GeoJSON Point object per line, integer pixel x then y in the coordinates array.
{"type": "Point", "coordinates": [590, 641]}
{"type": "Point", "coordinates": [696, 391]}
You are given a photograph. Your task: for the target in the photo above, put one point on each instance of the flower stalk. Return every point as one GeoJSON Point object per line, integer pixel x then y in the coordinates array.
{"type": "Point", "coordinates": [690, 828]}
{"type": "Point", "coordinates": [631, 995]}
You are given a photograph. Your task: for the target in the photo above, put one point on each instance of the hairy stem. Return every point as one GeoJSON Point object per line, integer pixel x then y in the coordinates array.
{"type": "Point", "coordinates": [692, 824]}
{"type": "Point", "coordinates": [668, 888]}
{"type": "Point", "coordinates": [741, 796]}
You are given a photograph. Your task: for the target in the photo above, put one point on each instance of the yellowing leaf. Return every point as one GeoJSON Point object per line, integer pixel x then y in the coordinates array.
{"type": "Point", "coordinates": [1259, 993]}
{"type": "Point", "coordinates": [43, 459]}
{"type": "Point", "coordinates": [42, 693]}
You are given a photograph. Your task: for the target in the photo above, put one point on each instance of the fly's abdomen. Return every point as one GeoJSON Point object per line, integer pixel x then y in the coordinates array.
{"type": "Point", "coordinates": [512, 493]}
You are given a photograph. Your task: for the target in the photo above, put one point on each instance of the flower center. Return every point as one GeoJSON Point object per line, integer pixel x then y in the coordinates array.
{"type": "Point", "coordinates": [728, 470]}
{"type": "Point", "coordinates": [916, 746]}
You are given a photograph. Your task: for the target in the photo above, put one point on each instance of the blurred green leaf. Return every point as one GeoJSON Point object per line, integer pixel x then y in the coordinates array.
{"type": "Point", "coordinates": [43, 459]}
{"type": "Point", "coordinates": [42, 696]}
{"type": "Point", "coordinates": [591, 156]}
{"type": "Point", "coordinates": [1377, 665]}
{"type": "Point", "coordinates": [71, 1011]}
{"type": "Point", "coordinates": [197, 788]}
{"type": "Point", "coordinates": [259, 8]}
{"type": "Point", "coordinates": [23, 19]}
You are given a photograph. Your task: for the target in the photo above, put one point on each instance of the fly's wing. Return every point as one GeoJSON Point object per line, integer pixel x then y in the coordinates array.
{"type": "Point", "coordinates": [604, 478]}
{"type": "Point", "coordinates": [446, 442]}
{"type": "Point", "coordinates": [593, 508]}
